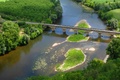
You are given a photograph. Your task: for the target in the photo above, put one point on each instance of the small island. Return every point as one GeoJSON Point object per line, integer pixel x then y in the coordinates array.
{"type": "Point", "coordinates": [74, 57]}
{"type": "Point", "coordinates": [79, 37]}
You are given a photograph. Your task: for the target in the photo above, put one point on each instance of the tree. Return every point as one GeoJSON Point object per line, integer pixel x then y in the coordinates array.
{"type": "Point", "coordinates": [113, 48]}
{"type": "Point", "coordinates": [24, 39]}
{"type": "Point", "coordinates": [95, 63]}
{"type": "Point", "coordinates": [113, 23]}
{"type": "Point", "coordinates": [10, 35]}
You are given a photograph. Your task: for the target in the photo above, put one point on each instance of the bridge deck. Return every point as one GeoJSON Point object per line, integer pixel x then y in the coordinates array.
{"type": "Point", "coordinates": [76, 28]}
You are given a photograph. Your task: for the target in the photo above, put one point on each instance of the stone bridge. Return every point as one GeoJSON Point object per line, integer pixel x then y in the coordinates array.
{"type": "Point", "coordinates": [75, 29]}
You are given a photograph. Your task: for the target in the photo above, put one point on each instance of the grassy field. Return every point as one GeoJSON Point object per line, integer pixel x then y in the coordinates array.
{"type": "Point", "coordinates": [115, 13]}
{"type": "Point", "coordinates": [73, 58]}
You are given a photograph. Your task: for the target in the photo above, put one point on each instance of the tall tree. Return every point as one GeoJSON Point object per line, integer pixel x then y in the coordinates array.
{"type": "Point", "coordinates": [113, 48]}
{"type": "Point", "coordinates": [10, 34]}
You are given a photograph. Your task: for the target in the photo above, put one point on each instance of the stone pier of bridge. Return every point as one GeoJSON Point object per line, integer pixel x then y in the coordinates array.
{"type": "Point", "coordinates": [52, 28]}
{"type": "Point", "coordinates": [64, 30]}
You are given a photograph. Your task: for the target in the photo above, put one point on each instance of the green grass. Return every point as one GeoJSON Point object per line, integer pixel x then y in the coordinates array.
{"type": "Point", "coordinates": [115, 13]}
{"type": "Point", "coordinates": [83, 24]}
{"type": "Point", "coordinates": [76, 38]}
{"type": "Point", "coordinates": [73, 58]}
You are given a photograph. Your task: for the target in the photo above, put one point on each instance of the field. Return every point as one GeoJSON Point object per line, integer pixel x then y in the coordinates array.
{"type": "Point", "coordinates": [115, 13]}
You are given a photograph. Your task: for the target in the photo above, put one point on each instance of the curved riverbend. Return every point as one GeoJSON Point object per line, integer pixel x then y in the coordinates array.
{"type": "Point", "coordinates": [21, 62]}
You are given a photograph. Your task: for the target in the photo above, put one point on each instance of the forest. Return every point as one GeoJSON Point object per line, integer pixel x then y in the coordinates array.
{"type": "Point", "coordinates": [18, 34]}
{"type": "Point", "coordinates": [31, 10]}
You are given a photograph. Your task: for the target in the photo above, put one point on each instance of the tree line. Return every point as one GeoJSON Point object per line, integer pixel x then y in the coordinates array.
{"type": "Point", "coordinates": [13, 35]}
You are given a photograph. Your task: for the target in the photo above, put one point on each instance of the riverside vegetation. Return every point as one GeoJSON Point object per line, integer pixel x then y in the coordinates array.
{"type": "Point", "coordinates": [17, 34]}
{"type": "Point", "coordinates": [97, 69]}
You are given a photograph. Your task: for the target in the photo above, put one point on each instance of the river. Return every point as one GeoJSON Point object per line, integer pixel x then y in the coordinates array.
{"type": "Point", "coordinates": [40, 58]}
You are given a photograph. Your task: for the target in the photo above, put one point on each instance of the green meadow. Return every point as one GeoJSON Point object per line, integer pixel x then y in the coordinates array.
{"type": "Point", "coordinates": [115, 13]}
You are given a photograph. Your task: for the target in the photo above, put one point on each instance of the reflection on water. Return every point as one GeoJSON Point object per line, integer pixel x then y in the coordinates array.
{"type": "Point", "coordinates": [14, 56]}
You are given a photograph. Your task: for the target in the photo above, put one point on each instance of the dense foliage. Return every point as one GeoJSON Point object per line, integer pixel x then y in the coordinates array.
{"type": "Point", "coordinates": [9, 36]}
{"type": "Point", "coordinates": [114, 48]}
{"type": "Point", "coordinates": [31, 10]}
{"type": "Point", "coordinates": [13, 35]}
